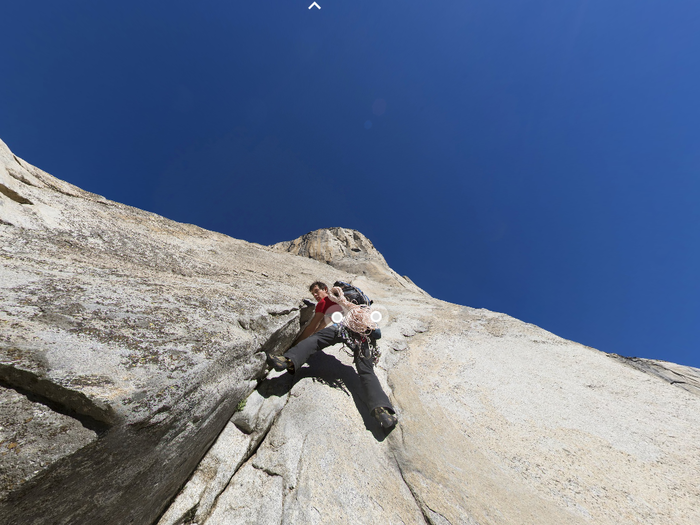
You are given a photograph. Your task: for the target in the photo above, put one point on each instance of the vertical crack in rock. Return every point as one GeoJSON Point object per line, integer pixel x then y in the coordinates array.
{"type": "Point", "coordinates": [198, 498]}
{"type": "Point", "coordinates": [253, 447]}
{"type": "Point", "coordinates": [59, 399]}
{"type": "Point", "coordinates": [431, 517]}
{"type": "Point", "coordinates": [287, 491]}
{"type": "Point", "coordinates": [236, 443]}
{"type": "Point", "coordinates": [300, 464]}
{"type": "Point", "coordinates": [415, 496]}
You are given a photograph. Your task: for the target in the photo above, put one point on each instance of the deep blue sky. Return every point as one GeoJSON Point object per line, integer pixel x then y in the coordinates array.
{"type": "Point", "coordinates": [538, 158]}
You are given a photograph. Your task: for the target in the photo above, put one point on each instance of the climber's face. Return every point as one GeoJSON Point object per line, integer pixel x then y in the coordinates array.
{"type": "Point", "coordinates": [318, 293]}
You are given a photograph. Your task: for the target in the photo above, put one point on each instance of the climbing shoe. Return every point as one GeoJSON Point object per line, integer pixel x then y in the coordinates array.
{"type": "Point", "coordinates": [279, 363]}
{"type": "Point", "coordinates": [386, 419]}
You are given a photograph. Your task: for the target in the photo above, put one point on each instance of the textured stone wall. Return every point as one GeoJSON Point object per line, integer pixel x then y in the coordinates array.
{"type": "Point", "coordinates": [133, 389]}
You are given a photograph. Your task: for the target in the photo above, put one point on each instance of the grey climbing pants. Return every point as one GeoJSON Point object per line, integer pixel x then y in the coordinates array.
{"type": "Point", "coordinates": [372, 391]}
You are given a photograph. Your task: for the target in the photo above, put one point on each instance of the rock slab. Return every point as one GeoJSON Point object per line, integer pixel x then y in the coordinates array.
{"type": "Point", "coordinates": [136, 346]}
{"type": "Point", "coordinates": [145, 332]}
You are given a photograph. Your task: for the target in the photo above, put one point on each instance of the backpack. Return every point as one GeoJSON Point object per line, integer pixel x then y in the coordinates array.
{"type": "Point", "coordinates": [353, 293]}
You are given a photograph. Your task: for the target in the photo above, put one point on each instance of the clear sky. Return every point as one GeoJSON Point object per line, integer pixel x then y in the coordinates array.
{"type": "Point", "coordinates": [538, 158]}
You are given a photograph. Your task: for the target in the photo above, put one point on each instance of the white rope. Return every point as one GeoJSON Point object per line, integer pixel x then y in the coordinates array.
{"type": "Point", "coordinates": [356, 317]}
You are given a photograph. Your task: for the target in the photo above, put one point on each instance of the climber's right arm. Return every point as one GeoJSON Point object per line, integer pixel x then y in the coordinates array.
{"type": "Point", "coordinates": [314, 326]}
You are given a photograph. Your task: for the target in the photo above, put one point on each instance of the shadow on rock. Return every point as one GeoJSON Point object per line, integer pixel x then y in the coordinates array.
{"type": "Point", "coordinates": [276, 386]}
{"type": "Point", "coordinates": [326, 369]}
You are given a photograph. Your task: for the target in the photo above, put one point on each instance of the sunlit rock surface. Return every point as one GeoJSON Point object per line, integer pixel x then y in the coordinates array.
{"type": "Point", "coordinates": [347, 250]}
{"type": "Point", "coordinates": [141, 342]}
{"type": "Point", "coordinates": [145, 331]}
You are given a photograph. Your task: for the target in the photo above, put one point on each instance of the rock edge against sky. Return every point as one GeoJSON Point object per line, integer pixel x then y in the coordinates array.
{"type": "Point", "coordinates": [129, 343]}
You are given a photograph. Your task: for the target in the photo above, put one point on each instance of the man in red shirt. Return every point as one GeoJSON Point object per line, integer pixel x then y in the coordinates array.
{"type": "Point", "coordinates": [320, 333]}
{"type": "Point", "coordinates": [322, 315]}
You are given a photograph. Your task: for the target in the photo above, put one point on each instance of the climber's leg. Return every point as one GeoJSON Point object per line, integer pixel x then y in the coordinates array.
{"type": "Point", "coordinates": [376, 399]}
{"type": "Point", "coordinates": [300, 353]}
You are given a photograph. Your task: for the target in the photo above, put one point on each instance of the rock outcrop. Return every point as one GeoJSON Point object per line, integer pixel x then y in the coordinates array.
{"type": "Point", "coordinates": [347, 250]}
{"type": "Point", "coordinates": [134, 389]}
{"type": "Point", "coordinates": [685, 377]}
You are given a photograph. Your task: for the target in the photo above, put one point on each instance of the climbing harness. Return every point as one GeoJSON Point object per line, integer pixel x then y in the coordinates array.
{"type": "Point", "coordinates": [359, 345]}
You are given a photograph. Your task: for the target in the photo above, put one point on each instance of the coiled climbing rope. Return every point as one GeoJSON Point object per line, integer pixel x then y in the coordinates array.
{"type": "Point", "coordinates": [356, 326]}
{"type": "Point", "coordinates": [356, 317]}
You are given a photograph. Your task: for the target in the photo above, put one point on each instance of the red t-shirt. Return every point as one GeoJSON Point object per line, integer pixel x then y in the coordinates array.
{"type": "Point", "coordinates": [324, 304]}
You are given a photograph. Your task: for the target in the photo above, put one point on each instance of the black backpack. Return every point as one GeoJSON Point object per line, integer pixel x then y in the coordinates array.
{"type": "Point", "coordinates": [353, 293]}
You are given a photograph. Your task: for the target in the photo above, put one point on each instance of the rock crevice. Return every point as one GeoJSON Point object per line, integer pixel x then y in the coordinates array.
{"type": "Point", "coordinates": [11, 194]}
{"type": "Point", "coordinates": [684, 377]}
{"type": "Point", "coordinates": [59, 399]}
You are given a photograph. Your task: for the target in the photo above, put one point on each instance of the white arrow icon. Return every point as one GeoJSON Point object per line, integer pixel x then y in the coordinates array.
{"type": "Point", "coordinates": [314, 4]}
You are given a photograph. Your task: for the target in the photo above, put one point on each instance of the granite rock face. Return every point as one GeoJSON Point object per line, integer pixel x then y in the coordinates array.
{"type": "Point", "coordinates": [140, 330]}
{"type": "Point", "coordinates": [500, 422]}
{"type": "Point", "coordinates": [32, 436]}
{"type": "Point", "coordinates": [685, 377]}
{"type": "Point", "coordinates": [140, 342]}
{"type": "Point", "coordinates": [346, 250]}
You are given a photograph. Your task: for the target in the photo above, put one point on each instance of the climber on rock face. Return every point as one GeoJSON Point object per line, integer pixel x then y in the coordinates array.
{"type": "Point", "coordinates": [321, 333]}
{"type": "Point", "coordinates": [324, 309]}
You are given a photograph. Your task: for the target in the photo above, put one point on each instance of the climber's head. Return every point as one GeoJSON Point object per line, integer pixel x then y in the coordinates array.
{"type": "Point", "coordinates": [319, 290]}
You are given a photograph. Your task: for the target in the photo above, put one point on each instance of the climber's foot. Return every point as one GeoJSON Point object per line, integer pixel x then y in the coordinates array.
{"type": "Point", "coordinates": [386, 419]}
{"type": "Point", "coordinates": [279, 363]}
